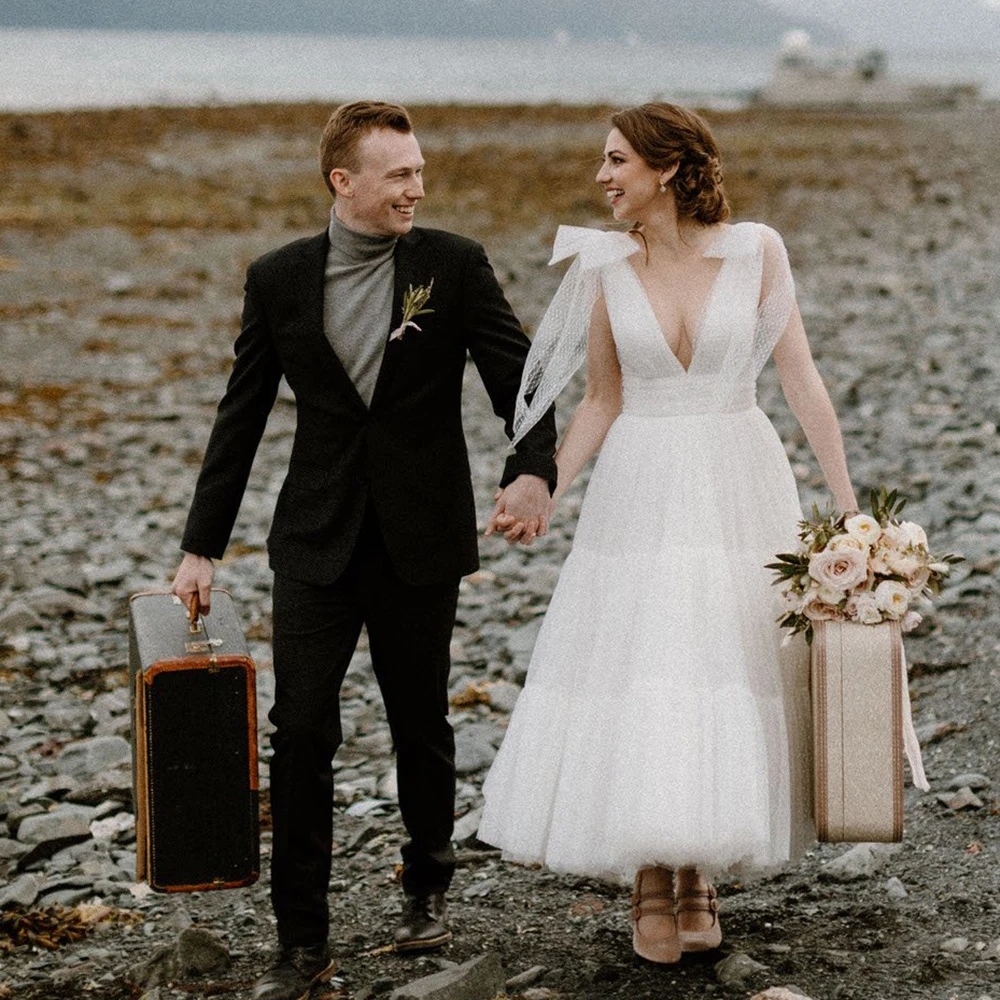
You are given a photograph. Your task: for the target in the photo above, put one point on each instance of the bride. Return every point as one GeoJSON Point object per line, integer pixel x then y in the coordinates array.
{"type": "Point", "coordinates": [663, 732]}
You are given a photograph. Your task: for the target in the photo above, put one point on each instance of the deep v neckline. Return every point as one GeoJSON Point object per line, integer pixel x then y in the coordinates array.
{"type": "Point", "coordinates": [699, 326]}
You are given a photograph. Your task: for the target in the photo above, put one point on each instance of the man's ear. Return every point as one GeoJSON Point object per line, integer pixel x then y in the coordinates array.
{"type": "Point", "coordinates": [343, 184]}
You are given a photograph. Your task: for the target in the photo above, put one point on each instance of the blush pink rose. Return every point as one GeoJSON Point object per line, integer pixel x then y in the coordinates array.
{"type": "Point", "coordinates": [843, 569]}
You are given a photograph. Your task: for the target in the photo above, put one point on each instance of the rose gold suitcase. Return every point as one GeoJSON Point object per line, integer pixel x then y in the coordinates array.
{"type": "Point", "coordinates": [857, 701]}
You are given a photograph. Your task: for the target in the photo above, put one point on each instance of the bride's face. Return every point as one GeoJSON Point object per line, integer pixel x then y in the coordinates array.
{"type": "Point", "coordinates": [631, 185]}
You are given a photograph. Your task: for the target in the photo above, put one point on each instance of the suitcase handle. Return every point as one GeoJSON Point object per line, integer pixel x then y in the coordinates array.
{"type": "Point", "coordinates": [194, 613]}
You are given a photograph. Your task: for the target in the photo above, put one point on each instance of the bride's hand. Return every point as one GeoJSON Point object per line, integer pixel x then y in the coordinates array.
{"type": "Point", "coordinates": [522, 510]}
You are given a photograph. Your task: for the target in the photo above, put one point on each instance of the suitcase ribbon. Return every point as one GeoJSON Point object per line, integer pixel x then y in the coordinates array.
{"type": "Point", "coordinates": [194, 745]}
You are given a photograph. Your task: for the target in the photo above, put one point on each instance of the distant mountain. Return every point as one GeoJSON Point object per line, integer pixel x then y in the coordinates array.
{"type": "Point", "coordinates": [934, 25]}
{"type": "Point", "coordinates": [755, 23]}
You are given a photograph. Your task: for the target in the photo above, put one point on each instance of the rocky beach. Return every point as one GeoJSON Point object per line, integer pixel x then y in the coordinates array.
{"type": "Point", "coordinates": [124, 236]}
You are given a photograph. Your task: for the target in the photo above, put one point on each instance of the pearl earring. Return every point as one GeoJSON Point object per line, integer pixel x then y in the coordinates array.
{"type": "Point", "coordinates": [663, 188]}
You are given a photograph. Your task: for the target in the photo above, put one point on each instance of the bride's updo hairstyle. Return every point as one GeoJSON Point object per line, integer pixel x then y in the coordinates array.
{"type": "Point", "coordinates": [665, 134]}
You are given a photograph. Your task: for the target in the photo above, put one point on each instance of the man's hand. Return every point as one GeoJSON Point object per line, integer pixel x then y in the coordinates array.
{"type": "Point", "coordinates": [194, 576]}
{"type": "Point", "coordinates": [522, 510]}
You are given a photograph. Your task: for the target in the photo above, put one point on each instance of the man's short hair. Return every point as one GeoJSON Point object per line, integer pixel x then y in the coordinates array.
{"type": "Point", "coordinates": [348, 125]}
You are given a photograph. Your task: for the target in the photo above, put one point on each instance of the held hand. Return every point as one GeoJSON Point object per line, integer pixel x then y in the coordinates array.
{"type": "Point", "coordinates": [194, 576]}
{"type": "Point", "coordinates": [522, 510]}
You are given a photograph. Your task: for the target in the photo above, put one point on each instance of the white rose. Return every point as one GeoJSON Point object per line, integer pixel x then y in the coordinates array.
{"type": "Point", "coordinates": [829, 595]}
{"type": "Point", "coordinates": [892, 598]}
{"type": "Point", "coordinates": [864, 608]}
{"type": "Point", "coordinates": [911, 621]}
{"type": "Point", "coordinates": [893, 538]}
{"type": "Point", "coordinates": [913, 533]}
{"type": "Point", "coordinates": [840, 570]}
{"type": "Point", "coordinates": [818, 611]}
{"type": "Point", "coordinates": [903, 563]}
{"type": "Point", "coordinates": [846, 542]}
{"type": "Point", "coordinates": [864, 528]}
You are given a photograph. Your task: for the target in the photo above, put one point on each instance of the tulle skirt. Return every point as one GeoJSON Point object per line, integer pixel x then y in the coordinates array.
{"type": "Point", "coordinates": [662, 721]}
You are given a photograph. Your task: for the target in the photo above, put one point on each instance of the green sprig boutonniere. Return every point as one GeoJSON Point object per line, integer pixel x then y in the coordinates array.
{"type": "Point", "coordinates": [414, 302]}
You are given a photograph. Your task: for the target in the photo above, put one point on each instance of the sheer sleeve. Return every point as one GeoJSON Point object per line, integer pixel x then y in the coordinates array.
{"type": "Point", "coordinates": [559, 346]}
{"type": "Point", "coordinates": [777, 298]}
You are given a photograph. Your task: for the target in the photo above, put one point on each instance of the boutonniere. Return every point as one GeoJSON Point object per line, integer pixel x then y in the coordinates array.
{"type": "Point", "coordinates": [414, 302]}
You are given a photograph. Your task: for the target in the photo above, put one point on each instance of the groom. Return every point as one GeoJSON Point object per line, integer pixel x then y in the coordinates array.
{"type": "Point", "coordinates": [376, 522]}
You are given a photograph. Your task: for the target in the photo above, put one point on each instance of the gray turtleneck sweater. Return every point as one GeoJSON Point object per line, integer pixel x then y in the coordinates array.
{"type": "Point", "coordinates": [357, 301]}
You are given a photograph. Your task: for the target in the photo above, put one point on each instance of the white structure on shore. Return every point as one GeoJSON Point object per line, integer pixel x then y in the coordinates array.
{"type": "Point", "coordinates": [805, 78]}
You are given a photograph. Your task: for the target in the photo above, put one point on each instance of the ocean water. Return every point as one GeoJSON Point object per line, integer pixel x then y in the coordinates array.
{"type": "Point", "coordinates": [47, 69]}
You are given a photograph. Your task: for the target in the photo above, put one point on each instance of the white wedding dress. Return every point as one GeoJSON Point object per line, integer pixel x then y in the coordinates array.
{"type": "Point", "coordinates": [662, 722]}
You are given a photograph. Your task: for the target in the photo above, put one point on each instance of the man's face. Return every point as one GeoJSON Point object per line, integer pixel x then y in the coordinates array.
{"type": "Point", "coordinates": [379, 197]}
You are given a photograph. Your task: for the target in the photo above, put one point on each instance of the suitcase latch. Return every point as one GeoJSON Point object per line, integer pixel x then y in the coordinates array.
{"type": "Point", "coordinates": [201, 645]}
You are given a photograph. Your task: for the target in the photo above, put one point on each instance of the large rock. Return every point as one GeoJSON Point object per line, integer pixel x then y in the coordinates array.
{"type": "Point", "coordinates": [93, 755]}
{"type": "Point", "coordinates": [68, 822]}
{"type": "Point", "coordinates": [780, 993]}
{"type": "Point", "coordinates": [861, 861]}
{"type": "Point", "coordinates": [480, 978]}
{"type": "Point", "coordinates": [196, 952]}
{"type": "Point", "coordinates": [737, 967]}
{"type": "Point", "coordinates": [22, 892]}
{"type": "Point", "coordinates": [18, 617]}
{"type": "Point", "coordinates": [474, 749]}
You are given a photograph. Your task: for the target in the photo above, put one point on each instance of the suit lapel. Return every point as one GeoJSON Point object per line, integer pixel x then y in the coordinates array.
{"type": "Point", "coordinates": [405, 260]}
{"type": "Point", "coordinates": [314, 272]}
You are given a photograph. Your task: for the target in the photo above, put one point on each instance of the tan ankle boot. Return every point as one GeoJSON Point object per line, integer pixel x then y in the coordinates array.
{"type": "Point", "coordinates": [698, 926]}
{"type": "Point", "coordinates": [654, 925]}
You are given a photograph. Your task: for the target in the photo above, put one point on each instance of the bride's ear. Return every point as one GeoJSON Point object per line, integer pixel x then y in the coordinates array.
{"type": "Point", "coordinates": [667, 175]}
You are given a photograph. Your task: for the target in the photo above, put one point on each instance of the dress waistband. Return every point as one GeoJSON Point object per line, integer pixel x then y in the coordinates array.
{"type": "Point", "coordinates": [646, 397]}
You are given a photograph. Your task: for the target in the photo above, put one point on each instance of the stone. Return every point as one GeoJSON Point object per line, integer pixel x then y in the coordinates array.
{"type": "Point", "coordinates": [527, 978]}
{"type": "Point", "coordinates": [10, 849]}
{"type": "Point", "coordinates": [737, 967]}
{"type": "Point", "coordinates": [475, 747]}
{"type": "Point", "coordinates": [861, 861]}
{"type": "Point", "coordinates": [521, 640]}
{"type": "Point", "coordinates": [112, 827]}
{"type": "Point", "coordinates": [112, 572]}
{"type": "Point", "coordinates": [18, 617]}
{"type": "Point", "coordinates": [781, 993]}
{"type": "Point", "coordinates": [94, 754]}
{"type": "Point", "coordinates": [23, 892]}
{"type": "Point", "coordinates": [955, 945]}
{"type": "Point", "coordinates": [64, 823]}
{"type": "Point", "coordinates": [51, 602]}
{"type": "Point", "coordinates": [539, 993]}
{"type": "Point", "coordinates": [467, 826]}
{"type": "Point", "coordinates": [975, 782]}
{"type": "Point", "coordinates": [503, 696]}
{"type": "Point", "coordinates": [895, 889]}
{"type": "Point", "coordinates": [480, 978]}
{"type": "Point", "coordinates": [196, 952]}
{"type": "Point", "coordinates": [964, 798]}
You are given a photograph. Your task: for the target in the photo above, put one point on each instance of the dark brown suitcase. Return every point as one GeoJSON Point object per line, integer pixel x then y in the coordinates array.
{"type": "Point", "coordinates": [194, 745]}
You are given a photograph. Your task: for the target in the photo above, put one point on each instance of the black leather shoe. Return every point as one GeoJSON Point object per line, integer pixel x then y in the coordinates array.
{"type": "Point", "coordinates": [293, 973]}
{"type": "Point", "coordinates": [423, 925]}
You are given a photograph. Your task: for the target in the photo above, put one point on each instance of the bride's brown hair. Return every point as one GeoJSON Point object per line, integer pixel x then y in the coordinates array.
{"type": "Point", "coordinates": [665, 134]}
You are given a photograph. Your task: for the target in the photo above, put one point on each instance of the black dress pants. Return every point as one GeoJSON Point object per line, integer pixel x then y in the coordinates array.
{"type": "Point", "coordinates": [316, 629]}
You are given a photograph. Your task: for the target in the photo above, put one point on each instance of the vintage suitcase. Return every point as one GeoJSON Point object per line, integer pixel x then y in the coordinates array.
{"type": "Point", "coordinates": [194, 745]}
{"type": "Point", "coordinates": [857, 700]}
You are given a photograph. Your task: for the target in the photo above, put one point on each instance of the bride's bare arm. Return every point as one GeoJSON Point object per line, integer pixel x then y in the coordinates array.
{"type": "Point", "coordinates": [600, 405]}
{"type": "Point", "coordinates": [810, 402]}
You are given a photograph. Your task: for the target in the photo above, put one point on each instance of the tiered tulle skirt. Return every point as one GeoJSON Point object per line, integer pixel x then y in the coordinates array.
{"type": "Point", "coordinates": [662, 722]}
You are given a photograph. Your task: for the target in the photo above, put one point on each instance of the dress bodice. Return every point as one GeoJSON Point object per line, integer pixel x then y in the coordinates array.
{"type": "Point", "coordinates": [721, 376]}
{"type": "Point", "coordinates": [747, 310]}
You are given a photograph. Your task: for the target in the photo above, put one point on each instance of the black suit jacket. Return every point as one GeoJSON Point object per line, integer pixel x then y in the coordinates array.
{"type": "Point", "coordinates": [406, 452]}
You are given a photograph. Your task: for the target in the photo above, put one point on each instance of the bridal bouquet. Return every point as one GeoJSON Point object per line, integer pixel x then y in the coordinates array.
{"type": "Point", "coordinates": [859, 568]}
